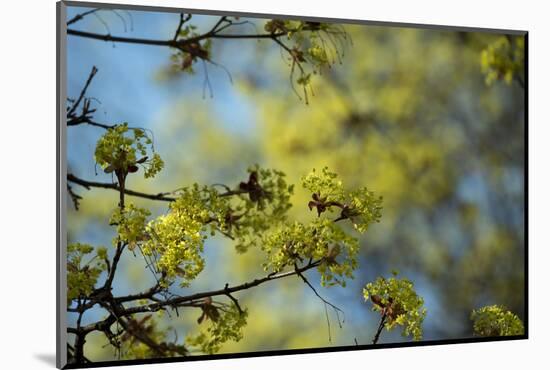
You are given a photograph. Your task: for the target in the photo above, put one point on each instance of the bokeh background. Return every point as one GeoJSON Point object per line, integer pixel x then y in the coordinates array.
{"type": "Point", "coordinates": [407, 113]}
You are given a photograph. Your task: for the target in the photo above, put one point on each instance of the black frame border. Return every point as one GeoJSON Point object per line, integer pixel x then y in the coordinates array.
{"type": "Point", "coordinates": [61, 326]}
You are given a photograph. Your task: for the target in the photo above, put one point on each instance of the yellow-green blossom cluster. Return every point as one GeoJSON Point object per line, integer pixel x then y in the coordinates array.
{"type": "Point", "coordinates": [321, 240]}
{"type": "Point", "coordinates": [264, 202]}
{"type": "Point", "coordinates": [130, 223]}
{"type": "Point", "coordinates": [326, 184]}
{"type": "Point", "coordinates": [362, 207]}
{"type": "Point", "coordinates": [366, 208]}
{"type": "Point", "coordinates": [227, 326]}
{"type": "Point", "coordinates": [275, 191]}
{"type": "Point", "coordinates": [118, 150]}
{"type": "Point", "coordinates": [176, 239]}
{"type": "Point", "coordinates": [82, 275]}
{"type": "Point", "coordinates": [153, 166]}
{"type": "Point", "coordinates": [397, 300]}
{"type": "Point", "coordinates": [503, 59]}
{"type": "Point", "coordinates": [496, 321]}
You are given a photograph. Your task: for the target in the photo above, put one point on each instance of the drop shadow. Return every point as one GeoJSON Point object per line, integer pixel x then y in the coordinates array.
{"type": "Point", "coordinates": [47, 358]}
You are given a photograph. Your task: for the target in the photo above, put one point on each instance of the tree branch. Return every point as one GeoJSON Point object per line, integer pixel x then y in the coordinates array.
{"type": "Point", "coordinates": [80, 339]}
{"type": "Point", "coordinates": [98, 326]}
{"type": "Point", "coordinates": [227, 290]}
{"type": "Point", "coordinates": [70, 353]}
{"type": "Point", "coordinates": [235, 300]}
{"type": "Point", "coordinates": [144, 295]}
{"type": "Point", "coordinates": [80, 16]}
{"type": "Point", "coordinates": [87, 120]}
{"type": "Point", "coordinates": [91, 184]}
{"type": "Point", "coordinates": [142, 337]}
{"type": "Point", "coordinates": [336, 308]}
{"type": "Point", "coordinates": [380, 327]}
{"type": "Point", "coordinates": [120, 245]}
{"type": "Point", "coordinates": [326, 303]}
{"type": "Point", "coordinates": [118, 311]}
{"type": "Point", "coordinates": [82, 92]}
{"type": "Point", "coordinates": [170, 43]}
{"type": "Point", "coordinates": [74, 197]}
{"type": "Point", "coordinates": [160, 196]}
{"type": "Point", "coordinates": [183, 19]}
{"type": "Point", "coordinates": [85, 116]}
{"type": "Point", "coordinates": [129, 40]}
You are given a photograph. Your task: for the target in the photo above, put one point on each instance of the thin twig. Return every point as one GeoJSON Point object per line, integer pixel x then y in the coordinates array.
{"type": "Point", "coordinates": [74, 197]}
{"type": "Point", "coordinates": [83, 92]}
{"type": "Point", "coordinates": [380, 327]}
{"type": "Point", "coordinates": [80, 16]}
{"type": "Point", "coordinates": [234, 299]}
{"type": "Point", "coordinates": [326, 303]}
{"type": "Point", "coordinates": [183, 19]}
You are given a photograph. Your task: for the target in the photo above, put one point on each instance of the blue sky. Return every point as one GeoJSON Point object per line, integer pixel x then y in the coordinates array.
{"type": "Point", "coordinates": [125, 84]}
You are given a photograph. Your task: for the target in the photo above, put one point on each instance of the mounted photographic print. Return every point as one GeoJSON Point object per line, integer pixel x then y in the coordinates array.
{"type": "Point", "coordinates": [236, 184]}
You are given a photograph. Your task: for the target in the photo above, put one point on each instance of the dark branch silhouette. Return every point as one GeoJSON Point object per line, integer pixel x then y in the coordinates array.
{"type": "Point", "coordinates": [86, 113]}
{"type": "Point", "coordinates": [170, 42]}
{"type": "Point", "coordinates": [106, 185]}
{"type": "Point", "coordinates": [81, 16]}
{"type": "Point", "coordinates": [380, 327]}
{"type": "Point", "coordinates": [104, 298]}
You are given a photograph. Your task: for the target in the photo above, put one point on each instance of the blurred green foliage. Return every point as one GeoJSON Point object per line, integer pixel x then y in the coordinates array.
{"type": "Point", "coordinates": [496, 321]}
{"type": "Point", "coordinates": [503, 60]}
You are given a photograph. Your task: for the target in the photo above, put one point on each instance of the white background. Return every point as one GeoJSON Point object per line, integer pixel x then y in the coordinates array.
{"type": "Point", "coordinates": [27, 137]}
